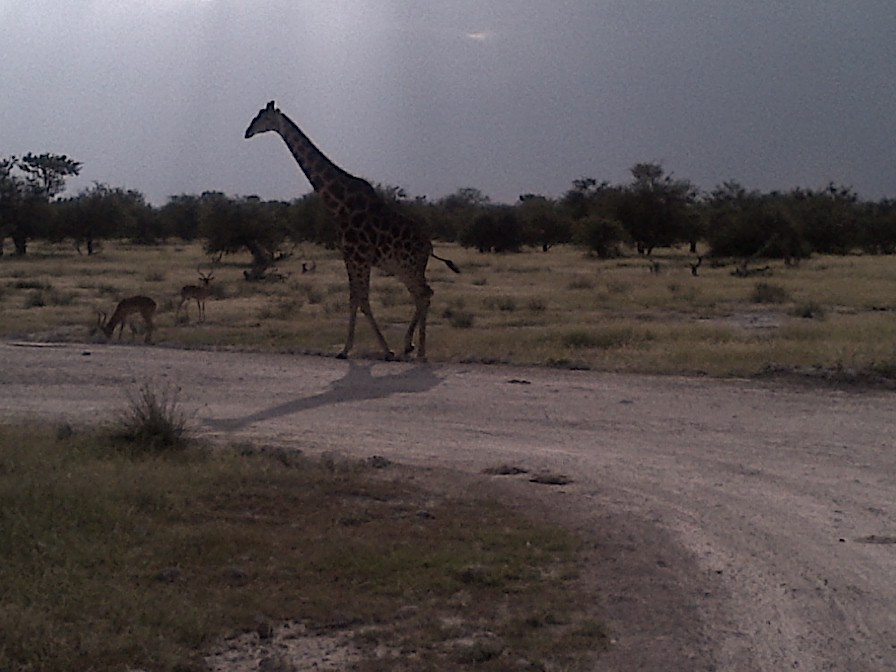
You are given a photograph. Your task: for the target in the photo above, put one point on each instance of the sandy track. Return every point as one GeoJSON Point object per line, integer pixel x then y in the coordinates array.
{"type": "Point", "coordinates": [739, 525]}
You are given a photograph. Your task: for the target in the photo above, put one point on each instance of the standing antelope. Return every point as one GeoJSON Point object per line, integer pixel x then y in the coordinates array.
{"type": "Point", "coordinates": [199, 293]}
{"type": "Point", "coordinates": [143, 305]}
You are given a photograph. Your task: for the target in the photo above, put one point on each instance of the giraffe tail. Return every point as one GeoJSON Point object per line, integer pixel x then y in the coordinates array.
{"type": "Point", "coordinates": [450, 264]}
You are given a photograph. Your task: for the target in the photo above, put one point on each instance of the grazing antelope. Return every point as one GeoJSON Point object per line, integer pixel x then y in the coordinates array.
{"type": "Point", "coordinates": [199, 293]}
{"type": "Point", "coordinates": [142, 305]}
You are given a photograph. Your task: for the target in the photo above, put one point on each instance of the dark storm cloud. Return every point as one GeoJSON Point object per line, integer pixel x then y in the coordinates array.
{"type": "Point", "coordinates": [509, 96]}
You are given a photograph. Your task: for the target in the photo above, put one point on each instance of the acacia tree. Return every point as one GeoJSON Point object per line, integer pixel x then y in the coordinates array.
{"type": "Point", "coordinates": [543, 224]}
{"type": "Point", "coordinates": [747, 224]}
{"type": "Point", "coordinates": [97, 212]}
{"type": "Point", "coordinates": [180, 216]}
{"type": "Point", "coordinates": [230, 225]}
{"type": "Point", "coordinates": [657, 210]}
{"type": "Point", "coordinates": [497, 229]}
{"type": "Point", "coordinates": [450, 215]}
{"type": "Point", "coordinates": [27, 185]}
{"type": "Point", "coordinates": [830, 219]}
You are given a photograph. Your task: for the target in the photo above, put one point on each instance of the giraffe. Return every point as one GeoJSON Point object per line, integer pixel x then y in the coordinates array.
{"type": "Point", "coordinates": [370, 231]}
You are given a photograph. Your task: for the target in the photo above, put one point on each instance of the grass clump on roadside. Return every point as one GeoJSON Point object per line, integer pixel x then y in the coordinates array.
{"type": "Point", "coordinates": [114, 563]}
{"type": "Point", "coordinates": [152, 422]}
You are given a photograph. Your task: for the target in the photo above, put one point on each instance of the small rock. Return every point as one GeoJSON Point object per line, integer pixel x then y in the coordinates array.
{"type": "Point", "coordinates": [547, 478]}
{"type": "Point", "coordinates": [236, 576]}
{"type": "Point", "coordinates": [505, 470]}
{"type": "Point", "coordinates": [378, 462]}
{"type": "Point", "coordinates": [169, 575]}
{"type": "Point", "coordinates": [265, 630]}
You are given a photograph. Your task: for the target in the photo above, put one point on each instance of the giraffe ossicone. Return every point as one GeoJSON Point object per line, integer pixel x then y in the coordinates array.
{"type": "Point", "coordinates": [370, 231]}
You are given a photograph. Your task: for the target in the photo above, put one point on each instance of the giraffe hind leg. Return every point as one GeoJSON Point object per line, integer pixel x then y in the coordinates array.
{"type": "Point", "coordinates": [350, 336]}
{"type": "Point", "coordinates": [418, 323]}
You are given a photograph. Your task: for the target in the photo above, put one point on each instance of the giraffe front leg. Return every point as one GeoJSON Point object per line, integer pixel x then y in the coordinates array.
{"type": "Point", "coordinates": [365, 308]}
{"type": "Point", "coordinates": [359, 297]}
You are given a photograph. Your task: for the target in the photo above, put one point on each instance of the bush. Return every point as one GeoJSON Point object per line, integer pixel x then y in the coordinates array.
{"type": "Point", "coordinates": [153, 422]}
{"type": "Point", "coordinates": [761, 230]}
{"type": "Point", "coordinates": [766, 292]}
{"type": "Point", "coordinates": [602, 339]}
{"type": "Point", "coordinates": [600, 236]}
{"type": "Point", "coordinates": [459, 318]}
{"type": "Point", "coordinates": [810, 310]}
{"type": "Point", "coordinates": [498, 230]}
{"type": "Point", "coordinates": [36, 299]}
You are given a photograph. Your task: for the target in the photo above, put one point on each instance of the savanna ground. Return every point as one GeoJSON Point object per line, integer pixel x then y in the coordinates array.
{"type": "Point", "coordinates": [560, 308]}
{"type": "Point", "coordinates": [495, 589]}
{"type": "Point", "coordinates": [120, 556]}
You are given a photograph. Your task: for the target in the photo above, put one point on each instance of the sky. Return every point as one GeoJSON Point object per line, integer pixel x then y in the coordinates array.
{"type": "Point", "coordinates": [506, 96]}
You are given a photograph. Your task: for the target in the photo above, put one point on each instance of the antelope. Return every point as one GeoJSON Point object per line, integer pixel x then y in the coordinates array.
{"type": "Point", "coordinates": [142, 305]}
{"type": "Point", "coordinates": [694, 267]}
{"type": "Point", "coordinates": [196, 292]}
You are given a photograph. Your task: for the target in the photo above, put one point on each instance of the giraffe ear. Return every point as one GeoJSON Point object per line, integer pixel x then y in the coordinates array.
{"type": "Point", "coordinates": [270, 105]}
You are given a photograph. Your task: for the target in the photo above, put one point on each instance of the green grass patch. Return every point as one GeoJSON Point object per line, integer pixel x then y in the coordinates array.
{"type": "Point", "coordinates": [603, 338]}
{"type": "Point", "coordinates": [113, 563]}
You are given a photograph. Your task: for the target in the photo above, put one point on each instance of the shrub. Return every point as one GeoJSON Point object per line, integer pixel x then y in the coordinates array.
{"type": "Point", "coordinates": [600, 235]}
{"type": "Point", "coordinates": [458, 318]}
{"type": "Point", "coordinates": [152, 422]}
{"type": "Point", "coordinates": [603, 339]}
{"type": "Point", "coordinates": [580, 283]}
{"type": "Point", "coordinates": [498, 230]}
{"type": "Point", "coordinates": [502, 303]}
{"type": "Point", "coordinates": [536, 305]}
{"type": "Point", "coordinates": [809, 310]}
{"type": "Point", "coordinates": [31, 284]}
{"type": "Point", "coordinates": [766, 292]}
{"type": "Point", "coordinates": [36, 299]}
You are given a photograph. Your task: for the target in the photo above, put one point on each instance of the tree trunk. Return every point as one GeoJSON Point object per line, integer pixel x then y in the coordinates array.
{"type": "Point", "coordinates": [21, 243]}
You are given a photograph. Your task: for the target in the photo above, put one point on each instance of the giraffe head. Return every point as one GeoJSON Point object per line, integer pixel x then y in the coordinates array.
{"type": "Point", "coordinates": [267, 119]}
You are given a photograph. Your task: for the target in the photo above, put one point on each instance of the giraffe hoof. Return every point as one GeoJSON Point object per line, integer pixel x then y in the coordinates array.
{"type": "Point", "coordinates": [390, 356]}
{"type": "Point", "coordinates": [342, 355]}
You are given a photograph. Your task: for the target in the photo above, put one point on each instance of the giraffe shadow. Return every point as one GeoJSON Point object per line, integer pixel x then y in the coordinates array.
{"type": "Point", "coordinates": [358, 384]}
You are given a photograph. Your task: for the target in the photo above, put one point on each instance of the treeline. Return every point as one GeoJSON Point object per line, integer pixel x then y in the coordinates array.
{"type": "Point", "coordinates": [653, 210]}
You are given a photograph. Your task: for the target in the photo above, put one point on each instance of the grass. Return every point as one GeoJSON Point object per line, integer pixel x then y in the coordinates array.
{"type": "Point", "coordinates": [152, 422]}
{"type": "Point", "coordinates": [112, 561]}
{"type": "Point", "coordinates": [526, 308]}
{"type": "Point", "coordinates": [767, 292]}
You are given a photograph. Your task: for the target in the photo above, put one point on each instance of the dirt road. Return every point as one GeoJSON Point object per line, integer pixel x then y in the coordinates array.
{"type": "Point", "coordinates": [739, 525]}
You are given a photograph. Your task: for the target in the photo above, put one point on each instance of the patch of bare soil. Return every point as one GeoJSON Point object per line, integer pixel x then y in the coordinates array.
{"type": "Point", "coordinates": [284, 647]}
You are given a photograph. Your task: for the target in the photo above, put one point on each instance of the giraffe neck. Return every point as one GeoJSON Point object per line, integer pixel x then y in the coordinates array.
{"type": "Point", "coordinates": [320, 171]}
